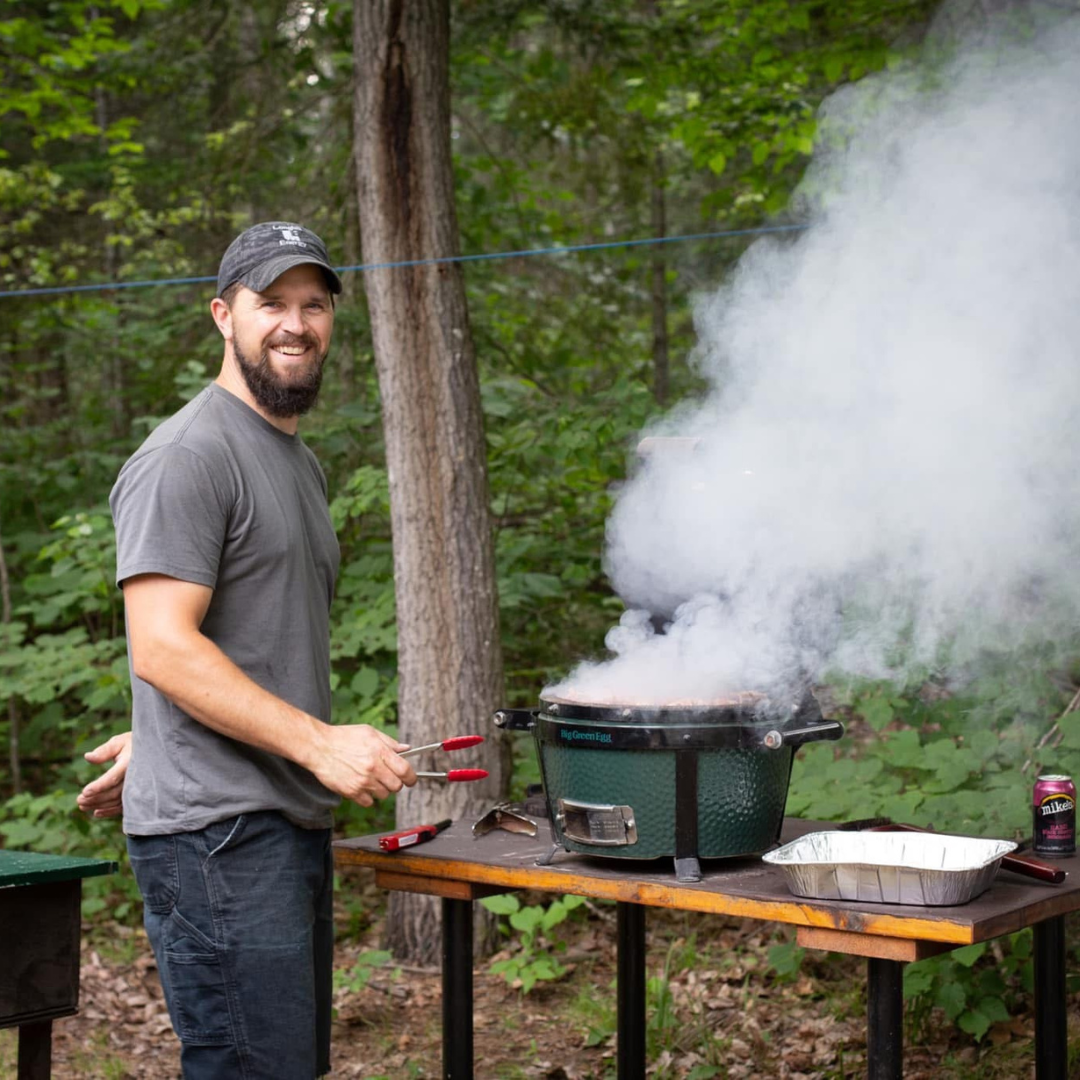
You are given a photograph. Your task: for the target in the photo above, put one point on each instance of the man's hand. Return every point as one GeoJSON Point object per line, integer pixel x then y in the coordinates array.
{"type": "Point", "coordinates": [102, 797]}
{"type": "Point", "coordinates": [361, 763]}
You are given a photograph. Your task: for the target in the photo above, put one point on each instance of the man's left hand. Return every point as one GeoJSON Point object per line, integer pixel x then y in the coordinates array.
{"type": "Point", "coordinates": [103, 797]}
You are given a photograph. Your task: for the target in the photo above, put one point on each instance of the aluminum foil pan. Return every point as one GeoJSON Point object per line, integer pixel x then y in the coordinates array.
{"type": "Point", "coordinates": [890, 868]}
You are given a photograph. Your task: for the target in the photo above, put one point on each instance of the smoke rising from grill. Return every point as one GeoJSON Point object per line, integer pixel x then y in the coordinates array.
{"type": "Point", "coordinates": [889, 451]}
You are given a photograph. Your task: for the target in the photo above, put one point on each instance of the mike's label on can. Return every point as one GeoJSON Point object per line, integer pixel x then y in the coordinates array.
{"type": "Point", "coordinates": [1054, 813]}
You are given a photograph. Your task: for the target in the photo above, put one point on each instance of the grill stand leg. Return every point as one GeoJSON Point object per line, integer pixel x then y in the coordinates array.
{"type": "Point", "coordinates": [457, 989]}
{"type": "Point", "coordinates": [1051, 1042]}
{"type": "Point", "coordinates": [630, 990]}
{"type": "Point", "coordinates": [687, 868]}
{"type": "Point", "coordinates": [884, 1020]}
{"type": "Point", "coordinates": [35, 1051]}
{"type": "Point", "coordinates": [546, 860]}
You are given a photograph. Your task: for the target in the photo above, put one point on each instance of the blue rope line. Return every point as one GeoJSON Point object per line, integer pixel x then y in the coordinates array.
{"type": "Point", "coordinates": [56, 290]}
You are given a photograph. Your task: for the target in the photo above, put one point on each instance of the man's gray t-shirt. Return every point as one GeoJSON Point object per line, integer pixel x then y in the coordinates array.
{"type": "Point", "coordinates": [219, 496]}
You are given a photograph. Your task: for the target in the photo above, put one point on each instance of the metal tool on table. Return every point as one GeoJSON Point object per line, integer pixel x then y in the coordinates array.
{"type": "Point", "coordinates": [409, 837]}
{"type": "Point", "coordinates": [504, 816]}
{"type": "Point", "coordinates": [452, 776]}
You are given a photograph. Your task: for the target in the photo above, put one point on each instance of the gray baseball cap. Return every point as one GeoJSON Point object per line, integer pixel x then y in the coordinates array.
{"type": "Point", "coordinates": [261, 254]}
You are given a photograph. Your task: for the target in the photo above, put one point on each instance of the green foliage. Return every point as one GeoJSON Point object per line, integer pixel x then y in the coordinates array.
{"type": "Point", "coordinates": [667, 1034]}
{"type": "Point", "coordinates": [34, 823]}
{"type": "Point", "coordinates": [367, 965]}
{"type": "Point", "coordinates": [926, 756]}
{"type": "Point", "coordinates": [533, 958]}
{"type": "Point", "coordinates": [974, 988]}
{"type": "Point", "coordinates": [552, 465]}
{"type": "Point", "coordinates": [786, 960]}
{"type": "Point", "coordinates": [663, 1020]}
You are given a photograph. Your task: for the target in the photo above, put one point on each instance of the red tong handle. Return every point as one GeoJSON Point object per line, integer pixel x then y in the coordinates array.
{"type": "Point", "coordinates": [408, 837]}
{"type": "Point", "coordinates": [455, 775]}
{"type": "Point", "coordinates": [458, 775]}
{"type": "Point", "coordinates": [1018, 864]}
{"type": "Point", "coordinates": [460, 742]}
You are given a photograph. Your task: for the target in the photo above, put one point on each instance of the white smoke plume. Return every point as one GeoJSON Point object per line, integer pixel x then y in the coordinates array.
{"type": "Point", "coordinates": [891, 446]}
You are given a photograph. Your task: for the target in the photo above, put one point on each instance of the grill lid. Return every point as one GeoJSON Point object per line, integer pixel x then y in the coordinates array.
{"type": "Point", "coordinates": [746, 707]}
{"type": "Point", "coordinates": [746, 720]}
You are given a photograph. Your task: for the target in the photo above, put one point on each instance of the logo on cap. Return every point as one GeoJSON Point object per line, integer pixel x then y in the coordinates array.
{"type": "Point", "coordinates": [291, 235]}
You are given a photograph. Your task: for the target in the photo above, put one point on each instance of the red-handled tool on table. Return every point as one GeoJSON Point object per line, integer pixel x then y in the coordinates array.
{"type": "Point", "coordinates": [409, 837]}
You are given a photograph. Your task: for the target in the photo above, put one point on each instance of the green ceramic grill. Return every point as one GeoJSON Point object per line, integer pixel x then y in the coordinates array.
{"type": "Point", "coordinates": [700, 782]}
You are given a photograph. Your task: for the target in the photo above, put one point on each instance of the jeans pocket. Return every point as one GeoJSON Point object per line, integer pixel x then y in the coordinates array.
{"type": "Point", "coordinates": [153, 862]}
{"type": "Point", "coordinates": [222, 835]}
{"type": "Point", "coordinates": [198, 985]}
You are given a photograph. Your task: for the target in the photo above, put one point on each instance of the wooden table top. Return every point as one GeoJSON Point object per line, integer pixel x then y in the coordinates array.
{"type": "Point", "coordinates": [461, 866]}
{"type": "Point", "coordinates": [33, 868]}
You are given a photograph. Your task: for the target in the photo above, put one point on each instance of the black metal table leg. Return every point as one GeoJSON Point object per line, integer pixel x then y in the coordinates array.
{"type": "Point", "coordinates": [630, 1013]}
{"type": "Point", "coordinates": [457, 989]}
{"type": "Point", "coordinates": [884, 1019]}
{"type": "Point", "coordinates": [35, 1051]}
{"type": "Point", "coordinates": [1051, 1042]}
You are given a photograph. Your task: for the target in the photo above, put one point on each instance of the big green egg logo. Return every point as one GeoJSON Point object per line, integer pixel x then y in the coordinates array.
{"type": "Point", "coordinates": [577, 735]}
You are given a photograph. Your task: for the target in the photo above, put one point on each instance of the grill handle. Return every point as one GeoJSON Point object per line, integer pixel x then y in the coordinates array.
{"type": "Point", "coordinates": [516, 719]}
{"type": "Point", "coordinates": [795, 737]}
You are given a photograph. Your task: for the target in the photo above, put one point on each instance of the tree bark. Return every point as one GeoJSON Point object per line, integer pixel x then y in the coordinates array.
{"type": "Point", "coordinates": [114, 372]}
{"type": "Point", "coordinates": [345, 352]}
{"type": "Point", "coordinates": [659, 284]}
{"type": "Point", "coordinates": [14, 757]}
{"type": "Point", "coordinates": [449, 653]}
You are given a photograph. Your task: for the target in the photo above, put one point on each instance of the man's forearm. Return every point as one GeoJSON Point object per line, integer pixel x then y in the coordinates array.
{"type": "Point", "coordinates": [194, 674]}
{"type": "Point", "coordinates": [171, 653]}
{"type": "Point", "coordinates": [356, 761]}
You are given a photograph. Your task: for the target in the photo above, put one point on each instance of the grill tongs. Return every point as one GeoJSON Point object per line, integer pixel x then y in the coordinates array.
{"type": "Point", "coordinates": [458, 742]}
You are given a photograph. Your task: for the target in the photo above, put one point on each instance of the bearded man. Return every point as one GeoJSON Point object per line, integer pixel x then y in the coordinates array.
{"type": "Point", "coordinates": [227, 559]}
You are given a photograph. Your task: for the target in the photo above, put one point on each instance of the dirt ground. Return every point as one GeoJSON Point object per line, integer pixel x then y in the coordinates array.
{"type": "Point", "coordinates": [715, 1010]}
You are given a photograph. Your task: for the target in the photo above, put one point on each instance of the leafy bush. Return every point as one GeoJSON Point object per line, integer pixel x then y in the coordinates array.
{"type": "Point", "coordinates": [533, 959]}
{"type": "Point", "coordinates": [972, 994]}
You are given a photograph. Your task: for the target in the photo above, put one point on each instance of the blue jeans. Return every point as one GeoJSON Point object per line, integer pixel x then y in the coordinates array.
{"type": "Point", "coordinates": [240, 916]}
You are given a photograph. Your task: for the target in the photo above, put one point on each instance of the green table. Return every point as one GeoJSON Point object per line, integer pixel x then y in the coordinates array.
{"type": "Point", "coordinates": [40, 927]}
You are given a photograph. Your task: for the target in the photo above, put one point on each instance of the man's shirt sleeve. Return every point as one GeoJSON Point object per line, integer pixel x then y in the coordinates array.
{"type": "Point", "coordinates": [169, 516]}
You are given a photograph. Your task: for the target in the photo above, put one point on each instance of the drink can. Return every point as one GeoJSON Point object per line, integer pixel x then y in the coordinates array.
{"type": "Point", "coordinates": [1054, 809]}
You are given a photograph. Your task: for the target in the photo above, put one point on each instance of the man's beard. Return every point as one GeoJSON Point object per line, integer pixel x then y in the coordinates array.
{"type": "Point", "coordinates": [278, 397]}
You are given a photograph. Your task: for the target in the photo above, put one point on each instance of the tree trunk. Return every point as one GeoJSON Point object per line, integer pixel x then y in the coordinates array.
{"type": "Point", "coordinates": [449, 653]}
{"type": "Point", "coordinates": [659, 284]}
{"type": "Point", "coordinates": [345, 352]}
{"type": "Point", "coordinates": [114, 372]}
{"type": "Point", "coordinates": [14, 757]}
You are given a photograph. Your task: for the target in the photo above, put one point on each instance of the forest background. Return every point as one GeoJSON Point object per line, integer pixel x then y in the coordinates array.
{"type": "Point", "coordinates": [139, 136]}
